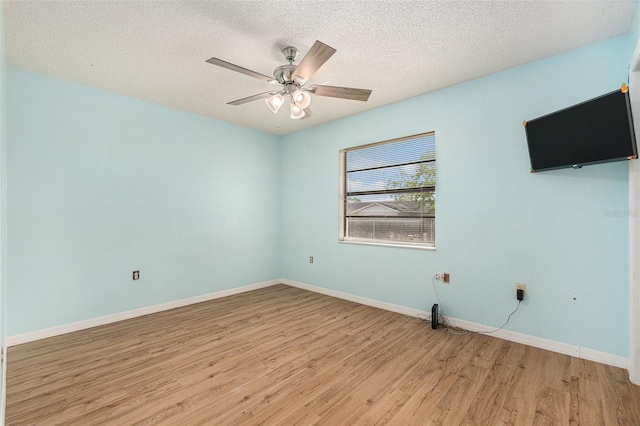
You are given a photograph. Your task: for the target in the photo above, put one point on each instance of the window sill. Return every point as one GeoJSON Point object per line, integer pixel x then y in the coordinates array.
{"type": "Point", "coordinates": [384, 244]}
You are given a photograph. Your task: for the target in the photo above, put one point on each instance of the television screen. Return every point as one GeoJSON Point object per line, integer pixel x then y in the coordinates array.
{"type": "Point", "coordinates": [596, 131]}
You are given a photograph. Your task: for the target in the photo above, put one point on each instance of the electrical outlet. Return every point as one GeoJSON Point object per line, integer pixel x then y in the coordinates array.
{"type": "Point", "coordinates": [310, 259]}
{"type": "Point", "coordinates": [136, 275]}
{"type": "Point", "coordinates": [444, 277]}
{"type": "Point", "coordinates": [521, 286]}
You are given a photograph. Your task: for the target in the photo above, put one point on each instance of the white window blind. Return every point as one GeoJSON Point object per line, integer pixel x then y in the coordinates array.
{"type": "Point", "coordinates": [389, 192]}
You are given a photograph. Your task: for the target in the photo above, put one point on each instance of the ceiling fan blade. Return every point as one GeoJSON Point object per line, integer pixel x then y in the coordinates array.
{"type": "Point", "coordinates": [307, 113]}
{"type": "Point", "coordinates": [341, 92]}
{"type": "Point", "coordinates": [313, 60]}
{"type": "Point", "coordinates": [237, 68]}
{"type": "Point", "coordinates": [251, 98]}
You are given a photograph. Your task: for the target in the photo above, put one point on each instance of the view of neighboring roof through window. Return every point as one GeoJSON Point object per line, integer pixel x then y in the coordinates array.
{"type": "Point", "coordinates": [388, 192]}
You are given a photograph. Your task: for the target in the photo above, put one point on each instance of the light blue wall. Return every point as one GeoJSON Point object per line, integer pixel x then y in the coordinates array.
{"type": "Point", "coordinates": [101, 185]}
{"type": "Point", "coordinates": [496, 223]}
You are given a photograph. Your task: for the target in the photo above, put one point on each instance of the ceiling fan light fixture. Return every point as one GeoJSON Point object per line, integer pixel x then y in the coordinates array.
{"type": "Point", "coordinates": [275, 102]}
{"type": "Point", "coordinates": [302, 98]}
{"type": "Point", "coordinates": [296, 111]}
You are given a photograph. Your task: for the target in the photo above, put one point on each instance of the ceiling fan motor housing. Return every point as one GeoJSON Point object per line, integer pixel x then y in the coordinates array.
{"type": "Point", "coordinates": [284, 73]}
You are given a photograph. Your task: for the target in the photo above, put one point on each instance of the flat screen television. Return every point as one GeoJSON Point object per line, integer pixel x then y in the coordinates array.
{"type": "Point", "coordinates": [599, 130]}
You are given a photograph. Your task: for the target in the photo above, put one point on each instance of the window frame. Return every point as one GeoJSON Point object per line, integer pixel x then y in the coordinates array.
{"type": "Point", "coordinates": [342, 205]}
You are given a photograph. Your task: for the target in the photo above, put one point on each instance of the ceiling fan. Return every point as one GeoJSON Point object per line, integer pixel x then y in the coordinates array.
{"type": "Point", "coordinates": [291, 79]}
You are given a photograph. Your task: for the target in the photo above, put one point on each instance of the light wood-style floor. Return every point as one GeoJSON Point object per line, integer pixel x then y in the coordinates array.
{"type": "Point", "coordinates": [285, 356]}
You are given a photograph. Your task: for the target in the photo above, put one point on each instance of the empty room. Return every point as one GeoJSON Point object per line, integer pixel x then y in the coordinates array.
{"type": "Point", "coordinates": [319, 212]}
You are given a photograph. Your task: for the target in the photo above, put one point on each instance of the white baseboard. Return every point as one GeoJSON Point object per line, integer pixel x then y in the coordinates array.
{"type": "Point", "coordinates": [358, 299]}
{"type": "Point", "coordinates": [120, 316]}
{"type": "Point", "coordinates": [537, 342]}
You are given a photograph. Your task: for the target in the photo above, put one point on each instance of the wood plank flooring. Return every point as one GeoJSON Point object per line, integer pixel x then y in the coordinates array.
{"type": "Point", "coordinates": [285, 356]}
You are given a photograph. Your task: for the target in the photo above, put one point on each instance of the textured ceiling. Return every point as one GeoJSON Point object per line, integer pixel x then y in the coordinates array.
{"type": "Point", "coordinates": [156, 50]}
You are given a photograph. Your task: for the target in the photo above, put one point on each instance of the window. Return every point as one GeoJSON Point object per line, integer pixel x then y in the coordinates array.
{"type": "Point", "coordinates": [388, 192]}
